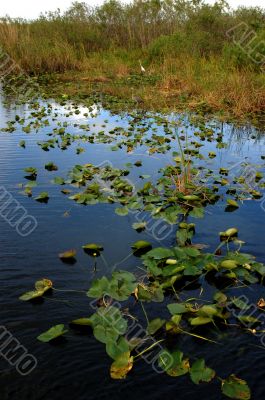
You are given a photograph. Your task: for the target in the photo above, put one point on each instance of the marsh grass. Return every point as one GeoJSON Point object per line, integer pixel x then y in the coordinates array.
{"type": "Point", "coordinates": [184, 83]}
{"type": "Point", "coordinates": [184, 45]}
{"type": "Point", "coordinates": [183, 180]}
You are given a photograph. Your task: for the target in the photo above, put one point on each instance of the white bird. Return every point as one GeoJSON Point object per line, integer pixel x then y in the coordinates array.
{"type": "Point", "coordinates": [142, 68]}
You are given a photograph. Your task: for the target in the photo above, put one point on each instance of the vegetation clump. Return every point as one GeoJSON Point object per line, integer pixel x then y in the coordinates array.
{"type": "Point", "coordinates": [168, 273]}
{"type": "Point", "coordinates": [191, 54]}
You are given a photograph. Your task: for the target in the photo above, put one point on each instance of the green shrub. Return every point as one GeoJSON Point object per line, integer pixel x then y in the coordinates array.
{"type": "Point", "coordinates": [167, 45]}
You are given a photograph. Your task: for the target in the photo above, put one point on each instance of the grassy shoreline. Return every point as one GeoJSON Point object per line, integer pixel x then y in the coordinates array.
{"type": "Point", "coordinates": [228, 95]}
{"type": "Point", "coordinates": [197, 56]}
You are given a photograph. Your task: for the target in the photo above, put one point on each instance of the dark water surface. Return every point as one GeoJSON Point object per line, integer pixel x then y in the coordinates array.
{"type": "Point", "coordinates": [77, 368]}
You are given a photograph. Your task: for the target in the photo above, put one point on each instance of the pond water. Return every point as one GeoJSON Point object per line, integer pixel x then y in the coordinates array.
{"type": "Point", "coordinates": [78, 368]}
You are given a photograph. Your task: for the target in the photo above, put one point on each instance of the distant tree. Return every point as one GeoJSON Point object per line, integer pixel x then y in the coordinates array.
{"type": "Point", "coordinates": [79, 11]}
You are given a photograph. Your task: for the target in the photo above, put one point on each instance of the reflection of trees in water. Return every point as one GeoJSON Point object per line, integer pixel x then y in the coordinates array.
{"type": "Point", "coordinates": [8, 109]}
{"type": "Point", "coordinates": [241, 139]}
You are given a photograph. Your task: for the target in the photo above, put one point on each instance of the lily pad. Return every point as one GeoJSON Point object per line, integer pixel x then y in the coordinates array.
{"type": "Point", "coordinates": [43, 197]}
{"type": "Point", "coordinates": [232, 203]}
{"type": "Point", "coordinates": [51, 166]}
{"type": "Point", "coordinates": [82, 322]}
{"type": "Point", "coordinates": [68, 254]}
{"type": "Point", "coordinates": [41, 287]}
{"type": "Point", "coordinates": [211, 154]}
{"type": "Point", "coordinates": [121, 366]}
{"type": "Point", "coordinates": [141, 245]}
{"type": "Point", "coordinates": [155, 325]}
{"type": "Point", "coordinates": [120, 287]}
{"type": "Point", "coordinates": [31, 295]}
{"type": "Point", "coordinates": [116, 349]}
{"type": "Point", "coordinates": [58, 180]}
{"type": "Point", "coordinates": [173, 363]}
{"type": "Point", "coordinates": [229, 234]}
{"type": "Point", "coordinates": [31, 170]}
{"type": "Point", "coordinates": [229, 264]}
{"type": "Point", "coordinates": [200, 321]}
{"type": "Point", "coordinates": [93, 249]}
{"type": "Point", "coordinates": [122, 211]}
{"type": "Point", "coordinates": [139, 226]}
{"type": "Point", "coordinates": [31, 173]}
{"type": "Point", "coordinates": [191, 197]}
{"type": "Point", "coordinates": [52, 333]}
{"type": "Point", "coordinates": [177, 308]}
{"type": "Point", "coordinates": [160, 253]}
{"type": "Point", "coordinates": [236, 388]}
{"type": "Point", "coordinates": [200, 373]}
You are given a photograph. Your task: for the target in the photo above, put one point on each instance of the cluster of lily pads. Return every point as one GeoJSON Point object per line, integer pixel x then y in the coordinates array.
{"type": "Point", "coordinates": [167, 271]}
{"type": "Point", "coordinates": [182, 189]}
{"type": "Point", "coordinates": [208, 185]}
{"type": "Point", "coordinates": [162, 199]}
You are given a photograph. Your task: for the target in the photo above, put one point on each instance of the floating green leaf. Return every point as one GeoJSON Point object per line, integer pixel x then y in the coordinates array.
{"type": "Point", "coordinates": [122, 211]}
{"type": "Point", "coordinates": [177, 308]}
{"type": "Point", "coordinates": [236, 388]}
{"type": "Point", "coordinates": [68, 254]}
{"type": "Point", "coordinates": [58, 180]}
{"type": "Point", "coordinates": [229, 264]}
{"type": "Point", "coordinates": [173, 363]}
{"type": "Point", "coordinates": [140, 245]}
{"type": "Point", "coordinates": [139, 226]}
{"type": "Point", "coordinates": [116, 349]}
{"type": "Point", "coordinates": [232, 203]}
{"type": "Point", "coordinates": [228, 234]}
{"type": "Point", "coordinates": [31, 171]}
{"type": "Point", "coordinates": [119, 287]}
{"type": "Point", "coordinates": [121, 366]}
{"type": "Point", "coordinates": [52, 333]}
{"type": "Point", "coordinates": [200, 373]}
{"type": "Point", "coordinates": [155, 325]}
{"type": "Point", "coordinates": [42, 197]}
{"type": "Point", "coordinates": [200, 321]}
{"type": "Point", "coordinates": [41, 287]}
{"type": "Point", "coordinates": [51, 166]}
{"type": "Point", "coordinates": [160, 253]}
{"type": "Point", "coordinates": [93, 249]}
{"type": "Point", "coordinates": [82, 322]}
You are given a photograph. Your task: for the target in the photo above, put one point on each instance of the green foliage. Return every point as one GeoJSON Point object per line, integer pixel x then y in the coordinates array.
{"type": "Point", "coordinates": [236, 388]}
{"type": "Point", "coordinates": [53, 333]}
{"type": "Point", "coordinates": [110, 322]}
{"type": "Point", "coordinates": [167, 45]}
{"type": "Point", "coordinates": [174, 365]}
{"type": "Point", "coordinates": [59, 41]}
{"type": "Point", "coordinates": [41, 287]}
{"type": "Point", "coordinates": [119, 287]}
{"type": "Point", "coordinates": [200, 373]}
{"type": "Point", "coordinates": [108, 325]}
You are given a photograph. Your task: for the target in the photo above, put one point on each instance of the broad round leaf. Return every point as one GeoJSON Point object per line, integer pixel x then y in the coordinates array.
{"type": "Point", "coordinates": [236, 388]}
{"type": "Point", "coordinates": [52, 333]}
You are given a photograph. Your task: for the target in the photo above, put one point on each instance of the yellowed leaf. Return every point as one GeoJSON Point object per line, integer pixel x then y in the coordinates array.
{"type": "Point", "coordinates": [121, 366]}
{"type": "Point", "coordinates": [261, 303]}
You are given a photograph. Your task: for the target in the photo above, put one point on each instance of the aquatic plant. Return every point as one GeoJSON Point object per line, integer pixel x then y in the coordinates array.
{"type": "Point", "coordinates": [183, 188]}
{"type": "Point", "coordinates": [168, 270]}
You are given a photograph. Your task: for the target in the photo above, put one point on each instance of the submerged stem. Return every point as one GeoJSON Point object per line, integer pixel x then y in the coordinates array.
{"type": "Point", "coordinates": [198, 336]}
{"type": "Point", "coordinates": [146, 317]}
{"type": "Point", "coordinates": [149, 348]}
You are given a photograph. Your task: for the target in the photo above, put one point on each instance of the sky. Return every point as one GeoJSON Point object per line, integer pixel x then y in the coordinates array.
{"type": "Point", "coordinates": [32, 8]}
